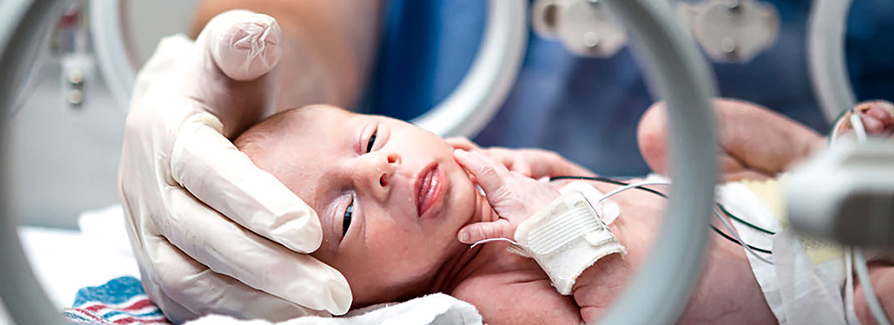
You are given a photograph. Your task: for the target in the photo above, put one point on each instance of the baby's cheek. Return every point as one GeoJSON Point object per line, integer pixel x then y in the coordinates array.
{"type": "Point", "coordinates": [396, 248]}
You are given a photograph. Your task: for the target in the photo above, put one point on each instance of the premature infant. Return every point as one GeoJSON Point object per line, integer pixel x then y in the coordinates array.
{"type": "Point", "coordinates": [391, 198]}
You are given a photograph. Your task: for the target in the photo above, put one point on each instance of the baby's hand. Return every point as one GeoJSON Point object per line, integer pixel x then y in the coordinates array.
{"type": "Point", "coordinates": [533, 163]}
{"type": "Point", "coordinates": [513, 196]}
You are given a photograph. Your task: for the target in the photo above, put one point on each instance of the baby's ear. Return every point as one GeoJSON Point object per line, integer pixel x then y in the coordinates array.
{"type": "Point", "coordinates": [462, 143]}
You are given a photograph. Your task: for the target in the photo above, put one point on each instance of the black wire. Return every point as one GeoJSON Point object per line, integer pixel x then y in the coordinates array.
{"type": "Point", "coordinates": [722, 208]}
{"type": "Point", "coordinates": [607, 180]}
{"type": "Point", "coordinates": [718, 231]}
{"type": "Point", "coordinates": [738, 243]}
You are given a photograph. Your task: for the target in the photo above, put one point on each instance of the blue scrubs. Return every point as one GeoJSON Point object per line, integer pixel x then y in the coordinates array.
{"type": "Point", "coordinates": [587, 109]}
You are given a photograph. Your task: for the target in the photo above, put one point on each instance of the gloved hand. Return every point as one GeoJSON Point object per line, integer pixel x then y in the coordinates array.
{"type": "Point", "coordinates": [213, 233]}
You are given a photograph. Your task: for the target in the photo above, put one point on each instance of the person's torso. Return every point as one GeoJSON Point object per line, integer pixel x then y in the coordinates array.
{"type": "Point", "coordinates": [587, 109]}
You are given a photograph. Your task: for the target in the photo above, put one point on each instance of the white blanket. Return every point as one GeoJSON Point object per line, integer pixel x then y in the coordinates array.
{"type": "Point", "coordinates": [432, 309]}
{"type": "Point", "coordinates": [102, 252]}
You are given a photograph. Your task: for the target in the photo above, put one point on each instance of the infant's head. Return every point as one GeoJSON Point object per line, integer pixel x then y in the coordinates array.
{"type": "Point", "coordinates": [389, 195]}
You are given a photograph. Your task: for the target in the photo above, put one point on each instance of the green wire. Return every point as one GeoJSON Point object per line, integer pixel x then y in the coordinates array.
{"type": "Point", "coordinates": [727, 213]}
{"type": "Point", "coordinates": [834, 128]}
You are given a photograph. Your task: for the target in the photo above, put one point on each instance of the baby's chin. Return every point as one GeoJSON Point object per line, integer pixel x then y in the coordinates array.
{"type": "Point", "coordinates": [463, 199]}
{"type": "Point", "coordinates": [480, 209]}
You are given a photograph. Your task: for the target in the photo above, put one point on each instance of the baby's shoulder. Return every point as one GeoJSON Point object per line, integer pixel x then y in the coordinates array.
{"type": "Point", "coordinates": [503, 281]}
{"type": "Point", "coordinates": [516, 296]}
{"type": "Point", "coordinates": [503, 271]}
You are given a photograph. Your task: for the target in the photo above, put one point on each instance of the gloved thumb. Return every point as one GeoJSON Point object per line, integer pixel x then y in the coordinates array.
{"type": "Point", "coordinates": [244, 45]}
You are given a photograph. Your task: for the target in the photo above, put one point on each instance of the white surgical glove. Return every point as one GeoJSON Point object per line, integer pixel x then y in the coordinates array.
{"type": "Point", "coordinates": [212, 232]}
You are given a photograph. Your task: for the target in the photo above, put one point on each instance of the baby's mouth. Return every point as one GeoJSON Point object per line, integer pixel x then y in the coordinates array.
{"type": "Point", "coordinates": [428, 188]}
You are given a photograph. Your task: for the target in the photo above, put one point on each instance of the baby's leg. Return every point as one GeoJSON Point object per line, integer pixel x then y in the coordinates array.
{"type": "Point", "coordinates": [756, 143]}
{"type": "Point", "coordinates": [882, 277]}
{"type": "Point", "coordinates": [877, 118]}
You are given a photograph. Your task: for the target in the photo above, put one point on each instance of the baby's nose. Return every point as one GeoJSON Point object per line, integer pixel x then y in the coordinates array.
{"type": "Point", "coordinates": [392, 160]}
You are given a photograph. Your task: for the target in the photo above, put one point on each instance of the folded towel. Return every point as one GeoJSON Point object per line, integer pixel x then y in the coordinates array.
{"type": "Point", "coordinates": [119, 301]}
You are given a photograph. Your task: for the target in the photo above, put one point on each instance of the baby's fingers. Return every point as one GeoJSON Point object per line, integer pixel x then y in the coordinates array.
{"type": "Point", "coordinates": [476, 232]}
{"type": "Point", "coordinates": [488, 173]}
{"type": "Point", "coordinates": [462, 143]}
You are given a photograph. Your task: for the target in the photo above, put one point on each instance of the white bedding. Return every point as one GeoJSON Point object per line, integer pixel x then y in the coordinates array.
{"type": "Point", "coordinates": [67, 260]}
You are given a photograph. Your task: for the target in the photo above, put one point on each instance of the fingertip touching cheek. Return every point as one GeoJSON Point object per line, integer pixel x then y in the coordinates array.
{"type": "Point", "coordinates": [390, 196]}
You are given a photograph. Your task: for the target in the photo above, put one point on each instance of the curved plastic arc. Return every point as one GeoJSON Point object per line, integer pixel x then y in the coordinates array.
{"type": "Point", "coordinates": [675, 69]}
{"type": "Point", "coordinates": [484, 88]}
{"type": "Point", "coordinates": [24, 297]}
{"type": "Point", "coordinates": [672, 63]}
{"type": "Point", "coordinates": [111, 53]}
{"type": "Point", "coordinates": [825, 56]}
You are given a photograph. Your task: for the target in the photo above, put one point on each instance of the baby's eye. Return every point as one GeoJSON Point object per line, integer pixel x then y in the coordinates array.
{"type": "Point", "coordinates": [371, 142]}
{"type": "Point", "coordinates": [346, 223]}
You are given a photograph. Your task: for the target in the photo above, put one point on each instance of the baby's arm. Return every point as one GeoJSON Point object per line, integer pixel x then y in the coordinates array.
{"type": "Point", "coordinates": [756, 143]}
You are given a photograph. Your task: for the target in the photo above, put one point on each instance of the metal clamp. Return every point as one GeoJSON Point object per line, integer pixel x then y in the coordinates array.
{"type": "Point", "coordinates": [731, 30]}
{"type": "Point", "coordinates": [583, 26]}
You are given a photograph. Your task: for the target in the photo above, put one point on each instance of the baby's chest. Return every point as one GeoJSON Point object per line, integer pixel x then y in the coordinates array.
{"type": "Point", "coordinates": [519, 299]}
{"type": "Point", "coordinates": [515, 278]}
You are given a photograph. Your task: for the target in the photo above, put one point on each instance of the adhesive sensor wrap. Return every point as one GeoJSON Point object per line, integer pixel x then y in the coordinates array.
{"type": "Point", "coordinates": [566, 238]}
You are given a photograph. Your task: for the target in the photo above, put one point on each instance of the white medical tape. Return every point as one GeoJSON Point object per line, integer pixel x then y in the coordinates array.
{"type": "Point", "coordinates": [566, 238]}
{"type": "Point", "coordinates": [607, 209]}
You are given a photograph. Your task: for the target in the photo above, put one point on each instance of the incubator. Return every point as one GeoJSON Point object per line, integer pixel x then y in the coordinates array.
{"type": "Point", "coordinates": [68, 67]}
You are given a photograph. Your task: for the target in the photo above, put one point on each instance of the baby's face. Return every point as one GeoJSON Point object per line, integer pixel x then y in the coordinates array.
{"type": "Point", "coordinates": [390, 195]}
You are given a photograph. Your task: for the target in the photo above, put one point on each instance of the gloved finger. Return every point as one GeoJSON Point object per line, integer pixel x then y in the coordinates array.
{"type": "Point", "coordinates": [166, 55]}
{"type": "Point", "coordinates": [244, 44]}
{"type": "Point", "coordinates": [488, 173]}
{"type": "Point", "coordinates": [476, 232]}
{"type": "Point", "coordinates": [186, 289]}
{"type": "Point", "coordinates": [218, 174]}
{"type": "Point", "coordinates": [232, 69]}
{"type": "Point", "coordinates": [226, 248]}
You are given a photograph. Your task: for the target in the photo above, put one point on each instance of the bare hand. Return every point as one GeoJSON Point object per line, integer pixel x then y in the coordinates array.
{"type": "Point", "coordinates": [755, 142]}
{"type": "Point", "coordinates": [533, 163]}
